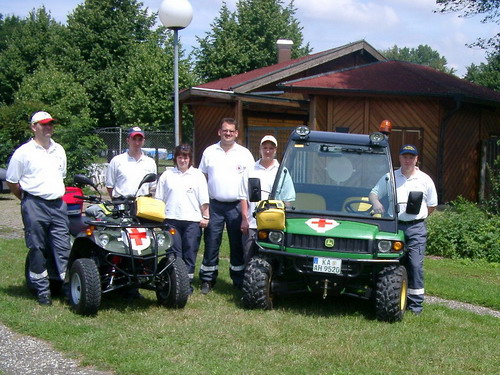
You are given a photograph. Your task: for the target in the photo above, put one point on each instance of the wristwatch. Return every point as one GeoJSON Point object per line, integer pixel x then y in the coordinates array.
{"type": "Point", "coordinates": [206, 217]}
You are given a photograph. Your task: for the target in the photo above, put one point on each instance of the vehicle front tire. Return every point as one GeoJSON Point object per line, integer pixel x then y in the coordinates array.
{"type": "Point", "coordinates": [391, 294]}
{"type": "Point", "coordinates": [257, 291]}
{"type": "Point", "coordinates": [84, 287]}
{"type": "Point", "coordinates": [172, 288]}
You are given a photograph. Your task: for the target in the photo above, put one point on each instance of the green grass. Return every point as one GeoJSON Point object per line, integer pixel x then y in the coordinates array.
{"type": "Point", "coordinates": [302, 335]}
{"type": "Point", "coordinates": [469, 281]}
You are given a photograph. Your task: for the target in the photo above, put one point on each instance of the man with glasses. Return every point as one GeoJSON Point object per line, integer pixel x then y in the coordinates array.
{"type": "Point", "coordinates": [35, 175]}
{"type": "Point", "coordinates": [224, 164]}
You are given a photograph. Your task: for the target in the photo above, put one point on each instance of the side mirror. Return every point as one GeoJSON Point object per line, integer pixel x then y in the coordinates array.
{"type": "Point", "coordinates": [414, 202]}
{"type": "Point", "coordinates": [81, 179]}
{"type": "Point", "coordinates": [150, 177]}
{"type": "Point", "coordinates": [254, 189]}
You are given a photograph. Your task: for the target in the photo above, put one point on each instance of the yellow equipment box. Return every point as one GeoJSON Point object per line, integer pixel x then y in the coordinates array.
{"type": "Point", "coordinates": [150, 208]}
{"type": "Point", "coordinates": [270, 215]}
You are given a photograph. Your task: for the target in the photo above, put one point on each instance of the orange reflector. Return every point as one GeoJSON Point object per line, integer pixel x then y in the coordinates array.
{"type": "Point", "coordinates": [89, 231]}
{"type": "Point", "coordinates": [397, 246]}
{"type": "Point", "coordinates": [262, 235]}
{"type": "Point", "coordinates": [172, 231]}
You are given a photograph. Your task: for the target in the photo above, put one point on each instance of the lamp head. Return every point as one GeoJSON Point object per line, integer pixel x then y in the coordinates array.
{"type": "Point", "coordinates": [175, 14]}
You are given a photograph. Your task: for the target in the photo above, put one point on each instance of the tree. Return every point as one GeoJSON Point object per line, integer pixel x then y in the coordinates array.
{"type": "Point", "coordinates": [27, 45]}
{"type": "Point", "coordinates": [488, 74]}
{"type": "Point", "coordinates": [244, 40]}
{"type": "Point", "coordinates": [490, 9]}
{"type": "Point", "coordinates": [143, 94]}
{"type": "Point", "coordinates": [104, 32]}
{"type": "Point", "coordinates": [66, 99]}
{"type": "Point", "coordinates": [422, 55]}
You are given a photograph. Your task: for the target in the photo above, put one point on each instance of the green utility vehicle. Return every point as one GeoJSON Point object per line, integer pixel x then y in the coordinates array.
{"type": "Point", "coordinates": [328, 240]}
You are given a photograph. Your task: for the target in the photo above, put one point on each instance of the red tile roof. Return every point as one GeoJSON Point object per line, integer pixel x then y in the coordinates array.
{"type": "Point", "coordinates": [229, 83]}
{"type": "Point", "coordinates": [394, 78]}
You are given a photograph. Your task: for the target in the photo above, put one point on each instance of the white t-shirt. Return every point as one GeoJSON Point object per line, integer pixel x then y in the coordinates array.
{"type": "Point", "coordinates": [420, 181]}
{"type": "Point", "coordinates": [124, 175]}
{"type": "Point", "coordinates": [225, 170]}
{"type": "Point", "coordinates": [40, 172]}
{"type": "Point", "coordinates": [183, 193]}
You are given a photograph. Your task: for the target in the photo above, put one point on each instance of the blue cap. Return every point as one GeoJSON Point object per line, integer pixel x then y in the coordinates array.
{"type": "Point", "coordinates": [135, 131]}
{"type": "Point", "coordinates": [408, 149]}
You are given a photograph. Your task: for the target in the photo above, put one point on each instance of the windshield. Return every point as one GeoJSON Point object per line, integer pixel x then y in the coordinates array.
{"type": "Point", "coordinates": [333, 179]}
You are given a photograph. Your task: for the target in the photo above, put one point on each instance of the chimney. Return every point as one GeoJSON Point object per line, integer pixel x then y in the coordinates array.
{"type": "Point", "coordinates": [284, 50]}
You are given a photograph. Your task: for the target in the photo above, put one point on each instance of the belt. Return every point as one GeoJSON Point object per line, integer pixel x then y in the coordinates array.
{"type": "Point", "coordinates": [26, 194]}
{"type": "Point", "coordinates": [411, 222]}
{"type": "Point", "coordinates": [221, 202]}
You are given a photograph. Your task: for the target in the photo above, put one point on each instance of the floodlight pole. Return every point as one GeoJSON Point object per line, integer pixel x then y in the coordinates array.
{"type": "Point", "coordinates": [176, 15]}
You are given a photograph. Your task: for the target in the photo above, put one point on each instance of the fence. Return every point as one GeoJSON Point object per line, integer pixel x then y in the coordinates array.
{"type": "Point", "coordinates": [158, 145]}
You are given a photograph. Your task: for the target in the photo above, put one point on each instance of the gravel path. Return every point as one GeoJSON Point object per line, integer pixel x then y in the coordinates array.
{"type": "Point", "coordinates": [23, 355]}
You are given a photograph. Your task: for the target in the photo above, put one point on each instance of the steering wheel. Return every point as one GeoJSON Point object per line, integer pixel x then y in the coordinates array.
{"type": "Point", "coordinates": [349, 206]}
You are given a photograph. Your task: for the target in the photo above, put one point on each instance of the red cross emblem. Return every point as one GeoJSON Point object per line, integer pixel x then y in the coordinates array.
{"type": "Point", "coordinates": [139, 239]}
{"type": "Point", "coordinates": [321, 225]}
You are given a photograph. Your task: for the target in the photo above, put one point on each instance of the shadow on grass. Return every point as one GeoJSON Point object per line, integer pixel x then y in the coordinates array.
{"type": "Point", "coordinates": [307, 304]}
{"type": "Point", "coordinates": [109, 301]}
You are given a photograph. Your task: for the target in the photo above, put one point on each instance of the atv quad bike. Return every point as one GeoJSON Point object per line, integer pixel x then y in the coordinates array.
{"type": "Point", "coordinates": [124, 244]}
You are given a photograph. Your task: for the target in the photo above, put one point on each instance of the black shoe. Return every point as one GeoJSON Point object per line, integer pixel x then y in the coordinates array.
{"type": "Point", "coordinates": [206, 287]}
{"type": "Point", "coordinates": [44, 300]}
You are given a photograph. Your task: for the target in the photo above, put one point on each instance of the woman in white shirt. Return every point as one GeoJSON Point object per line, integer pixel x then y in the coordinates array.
{"type": "Point", "coordinates": [184, 190]}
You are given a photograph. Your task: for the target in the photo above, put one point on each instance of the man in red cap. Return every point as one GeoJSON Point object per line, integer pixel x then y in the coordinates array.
{"type": "Point", "coordinates": [35, 175]}
{"type": "Point", "coordinates": [125, 171]}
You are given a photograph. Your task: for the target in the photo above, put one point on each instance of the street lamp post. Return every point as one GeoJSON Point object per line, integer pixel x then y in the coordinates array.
{"type": "Point", "coordinates": [176, 15]}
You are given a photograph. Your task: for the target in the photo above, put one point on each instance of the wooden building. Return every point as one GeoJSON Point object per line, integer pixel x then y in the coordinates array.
{"type": "Point", "coordinates": [352, 89]}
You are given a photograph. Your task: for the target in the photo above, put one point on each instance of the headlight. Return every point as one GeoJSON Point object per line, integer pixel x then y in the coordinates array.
{"type": "Point", "coordinates": [164, 240]}
{"type": "Point", "coordinates": [376, 138]}
{"type": "Point", "coordinates": [384, 246]}
{"type": "Point", "coordinates": [302, 131]}
{"type": "Point", "coordinates": [103, 239]}
{"type": "Point", "coordinates": [276, 237]}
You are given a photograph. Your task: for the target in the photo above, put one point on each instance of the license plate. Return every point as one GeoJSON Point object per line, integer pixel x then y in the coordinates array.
{"type": "Point", "coordinates": [327, 265]}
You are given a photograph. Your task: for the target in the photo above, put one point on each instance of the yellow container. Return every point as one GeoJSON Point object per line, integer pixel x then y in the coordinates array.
{"type": "Point", "coordinates": [270, 215]}
{"type": "Point", "coordinates": [150, 208]}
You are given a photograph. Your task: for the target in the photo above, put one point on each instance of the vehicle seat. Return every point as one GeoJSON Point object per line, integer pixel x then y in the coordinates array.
{"type": "Point", "coordinates": [309, 201]}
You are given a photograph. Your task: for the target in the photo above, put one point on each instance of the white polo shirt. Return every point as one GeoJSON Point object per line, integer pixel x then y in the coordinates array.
{"type": "Point", "coordinates": [124, 174]}
{"type": "Point", "coordinates": [38, 171]}
{"type": "Point", "coordinates": [266, 176]}
{"type": "Point", "coordinates": [183, 193]}
{"type": "Point", "coordinates": [420, 181]}
{"type": "Point", "coordinates": [225, 170]}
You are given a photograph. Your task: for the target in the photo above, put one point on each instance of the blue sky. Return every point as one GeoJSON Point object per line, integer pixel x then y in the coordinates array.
{"type": "Point", "coordinates": [332, 23]}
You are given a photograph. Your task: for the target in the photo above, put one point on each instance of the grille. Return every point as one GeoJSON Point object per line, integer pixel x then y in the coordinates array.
{"type": "Point", "coordinates": [347, 245]}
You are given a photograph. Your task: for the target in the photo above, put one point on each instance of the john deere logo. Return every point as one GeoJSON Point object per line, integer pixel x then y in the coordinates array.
{"type": "Point", "coordinates": [329, 242]}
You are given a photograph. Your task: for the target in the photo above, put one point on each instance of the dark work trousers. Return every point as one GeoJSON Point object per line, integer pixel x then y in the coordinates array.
{"type": "Point", "coordinates": [186, 242]}
{"type": "Point", "coordinates": [221, 213]}
{"type": "Point", "coordinates": [249, 247]}
{"type": "Point", "coordinates": [416, 240]}
{"type": "Point", "coordinates": [47, 237]}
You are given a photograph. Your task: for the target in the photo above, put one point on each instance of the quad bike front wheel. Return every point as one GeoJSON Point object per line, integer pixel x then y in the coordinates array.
{"type": "Point", "coordinates": [84, 287]}
{"type": "Point", "coordinates": [391, 294]}
{"type": "Point", "coordinates": [172, 287]}
{"type": "Point", "coordinates": [257, 291]}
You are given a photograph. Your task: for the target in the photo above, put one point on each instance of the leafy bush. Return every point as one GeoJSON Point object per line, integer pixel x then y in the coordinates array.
{"type": "Point", "coordinates": [463, 230]}
{"type": "Point", "coordinates": [492, 199]}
